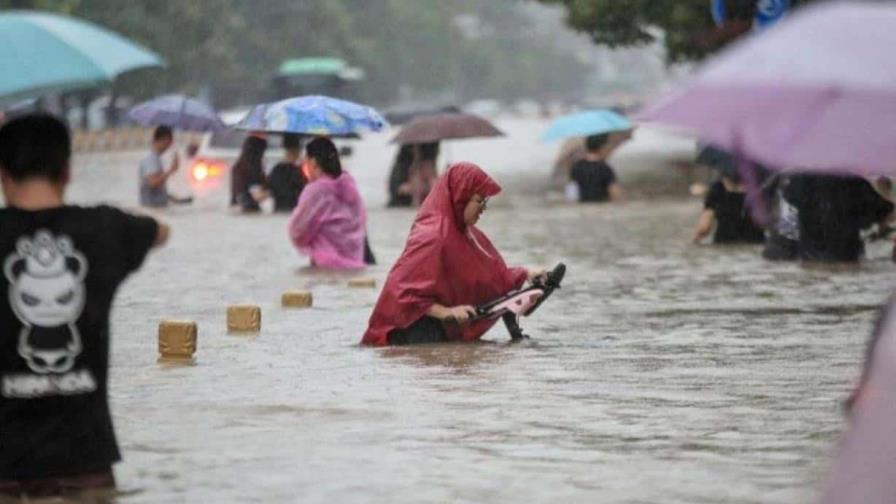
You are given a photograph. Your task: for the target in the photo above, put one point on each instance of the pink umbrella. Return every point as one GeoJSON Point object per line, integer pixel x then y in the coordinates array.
{"type": "Point", "coordinates": [817, 91]}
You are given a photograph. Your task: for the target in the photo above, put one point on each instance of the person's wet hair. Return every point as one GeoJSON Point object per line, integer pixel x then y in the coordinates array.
{"type": "Point", "coordinates": [35, 146]}
{"type": "Point", "coordinates": [162, 133]}
{"type": "Point", "coordinates": [429, 151]}
{"type": "Point", "coordinates": [252, 152]}
{"type": "Point", "coordinates": [324, 152]}
{"type": "Point", "coordinates": [405, 154]}
{"type": "Point", "coordinates": [595, 143]}
{"type": "Point", "coordinates": [292, 141]}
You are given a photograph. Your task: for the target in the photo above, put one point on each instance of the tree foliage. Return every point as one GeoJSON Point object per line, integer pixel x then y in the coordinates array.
{"type": "Point", "coordinates": [234, 46]}
{"type": "Point", "coordinates": [686, 27]}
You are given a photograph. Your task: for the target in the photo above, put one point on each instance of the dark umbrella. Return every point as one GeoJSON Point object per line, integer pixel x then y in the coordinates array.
{"type": "Point", "coordinates": [406, 115]}
{"type": "Point", "coordinates": [177, 111]}
{"type": "Point", "coordinates": [436, 128]}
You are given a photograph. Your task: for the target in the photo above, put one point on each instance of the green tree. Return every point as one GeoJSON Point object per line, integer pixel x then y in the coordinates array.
{"type": "Point", "coordinates": [234, 46]}
{"type": "Point", "coordinates": [685, 26]}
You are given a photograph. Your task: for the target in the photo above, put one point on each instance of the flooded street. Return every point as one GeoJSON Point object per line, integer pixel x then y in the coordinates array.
{"type": "Point", "coordinates": [661, 372]}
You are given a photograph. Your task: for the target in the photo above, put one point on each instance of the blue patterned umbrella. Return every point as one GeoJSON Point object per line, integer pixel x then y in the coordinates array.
{"type": "Point", "coordinates": [592, 122]}
{"type": "Point", "coordinates": [312, 115]}
{"type": "Point", "coordinates": [177, 111]}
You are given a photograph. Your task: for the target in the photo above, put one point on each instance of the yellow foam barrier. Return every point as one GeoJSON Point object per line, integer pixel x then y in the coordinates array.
{"type": "Point", "coordinates": [296, 299]}
{"type": "Point", "coordinates": [244, 318]}
{"type": "Point", "coordinates": [177, 340]}
{"type": "Point", "coordinates": [362, 283]}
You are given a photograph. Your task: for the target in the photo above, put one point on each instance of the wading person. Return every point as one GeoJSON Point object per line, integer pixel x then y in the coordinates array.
{"type": "Point", "coordinates": [329, 223]}
{"type": "Point", "coordinates": [247, 182]}
{"type": "Point", "coordinates": [399, 187]}
{"type": "Point", "coordinates": [448, 266]}
{"type": "Point", "coordinates": [725, 210]}
{"type": "Point", "coordinates": [286, 180]}
{"type": "Point", "coordinates": [61, 266]}
{"type": "Point", "coordinates": [153, 176]}
{"type": "Point", "coordinates": [423, 172]}
{"type": "Point", "coordinates": [833, 210]}
{"type": "Point", "coordinates": [593, 177]}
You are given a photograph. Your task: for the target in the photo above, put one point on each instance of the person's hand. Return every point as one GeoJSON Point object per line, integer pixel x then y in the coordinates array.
{"type": "Point", "coordinates": [536, 274]}
{"type": "Point", "coordinates": [175, 163]}
{"type": "Point", "coordinates": [460, 314]}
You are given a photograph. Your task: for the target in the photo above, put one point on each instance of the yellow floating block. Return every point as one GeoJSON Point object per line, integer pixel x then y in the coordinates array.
{"type": "Point", "coordinates": [362, 283]}
{"type": "Point", "coordinates": [244, 318]}
{"type": "Point", "coordinates": [177, 340]}
{"type": "Point", "coordinates": [296, 299]}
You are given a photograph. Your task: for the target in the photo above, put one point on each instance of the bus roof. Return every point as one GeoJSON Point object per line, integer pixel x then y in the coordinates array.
{"type": "Point", "coordinates": [303, 66]}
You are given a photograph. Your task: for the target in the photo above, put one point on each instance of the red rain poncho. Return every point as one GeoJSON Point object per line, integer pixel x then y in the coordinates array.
{"type": "Point", "coordinates": [445, 262]}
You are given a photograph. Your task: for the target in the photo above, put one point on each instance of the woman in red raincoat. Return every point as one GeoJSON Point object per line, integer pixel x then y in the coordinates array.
{"type": "Point", "coordinates": [447, 267]}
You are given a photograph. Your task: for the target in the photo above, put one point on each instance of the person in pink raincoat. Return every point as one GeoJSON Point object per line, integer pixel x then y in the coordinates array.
{"type": "Point", "coordinates": [329, 223]}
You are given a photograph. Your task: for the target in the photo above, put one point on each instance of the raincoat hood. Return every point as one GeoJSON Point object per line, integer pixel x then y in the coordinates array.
{"type": "Point", "coordinates": [452, 192]}
{"type": "Point", "coordinates": [343, 187]}
{"type": "Point", "coordinates": [444, 261]}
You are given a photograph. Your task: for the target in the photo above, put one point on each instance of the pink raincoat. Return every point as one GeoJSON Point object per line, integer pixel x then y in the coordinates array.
{"type": "Point", "coordinates": [329, 223]}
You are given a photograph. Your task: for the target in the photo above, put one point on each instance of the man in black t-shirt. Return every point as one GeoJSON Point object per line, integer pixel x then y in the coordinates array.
{"type": "Point", "coordinates": [595, 179]}
{"type": "Point", "coordinates": [61, 266]}
{"type": "Point", "coordinates": [286, 180]}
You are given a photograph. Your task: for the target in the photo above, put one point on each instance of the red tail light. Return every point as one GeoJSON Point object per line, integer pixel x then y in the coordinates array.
{"type": "Point", "coordinates": [204, 169]}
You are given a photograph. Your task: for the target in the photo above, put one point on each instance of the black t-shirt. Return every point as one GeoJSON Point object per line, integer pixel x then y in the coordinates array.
{"type": "Point", "coordinates": [832, 212]}
{"type": "Point", "coordinates": [594, 179]}
{"type": "Point", "coordinates": [733, 221]}
{"type": "Point", "coordinates": [61, 268]}
{"type": "Point", "coordinates": [286, 184]}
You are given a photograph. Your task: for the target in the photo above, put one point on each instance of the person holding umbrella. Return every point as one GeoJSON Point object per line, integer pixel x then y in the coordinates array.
{"type": "Point", "coordinates": [399, 188]}
{"type": "Point", "coordinates": [725, 206]}
{"type": "Point", "coordinates": [423, 171]}
{"type": "Point", "coordinates": [167, 113]}
{"type": "Point", "coordinates": [248, 184]}
{"type": "Point", "coordinates": [313, 115]}
{"type": "Point", "coordinates": [593, 176]}
{"type": "Point", "coordinates": [286, 179]}
{"type": "Point", "coordinates": [153, 176]}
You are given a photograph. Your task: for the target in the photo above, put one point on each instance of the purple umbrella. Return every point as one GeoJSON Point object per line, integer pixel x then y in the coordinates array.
{"type": "Point", "coordinates": [817, 92]}
{"type": "Point", "coordinates": [864, 467]}
{"type": "Point", "coordinates": [177, 111]}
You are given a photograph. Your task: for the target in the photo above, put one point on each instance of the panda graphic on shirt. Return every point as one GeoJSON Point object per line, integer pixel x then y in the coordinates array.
{"type": "Point", "coordinates": [46, 292]}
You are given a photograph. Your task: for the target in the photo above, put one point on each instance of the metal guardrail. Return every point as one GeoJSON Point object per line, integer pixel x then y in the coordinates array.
{"type": "Point", "coordinates": [119, 139]}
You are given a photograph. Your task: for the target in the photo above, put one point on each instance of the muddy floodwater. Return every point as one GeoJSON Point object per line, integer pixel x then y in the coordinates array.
{"type": "Point", "coordinates": [661, 372]}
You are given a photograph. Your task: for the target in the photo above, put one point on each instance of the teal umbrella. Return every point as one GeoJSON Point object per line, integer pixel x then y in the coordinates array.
{"type": "Point", "coordinates": [41, 52]}
{"type": "Point", "coordinates": [591, 122]}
